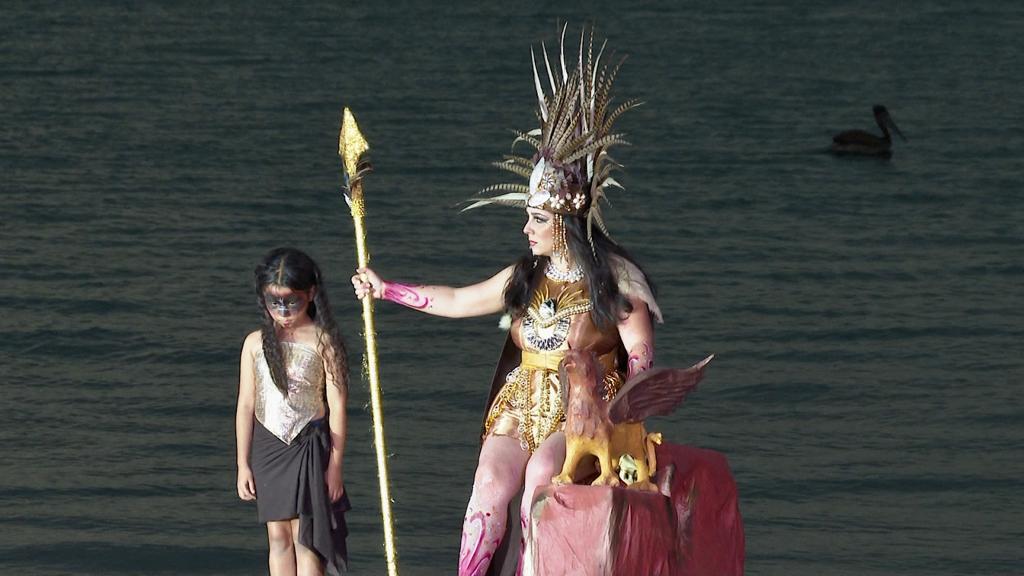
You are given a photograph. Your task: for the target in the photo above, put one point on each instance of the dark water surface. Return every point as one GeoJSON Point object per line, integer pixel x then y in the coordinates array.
{"type": "Point", "coordinates": [866, 314]}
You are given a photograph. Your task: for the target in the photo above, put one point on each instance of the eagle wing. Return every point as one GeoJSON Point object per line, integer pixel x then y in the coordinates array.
{"type": "Point", "coordinates": [655, 392]}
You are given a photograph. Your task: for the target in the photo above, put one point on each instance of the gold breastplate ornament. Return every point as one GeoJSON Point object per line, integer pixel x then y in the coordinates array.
{"type": "Point", "coordinates": [547, 320]}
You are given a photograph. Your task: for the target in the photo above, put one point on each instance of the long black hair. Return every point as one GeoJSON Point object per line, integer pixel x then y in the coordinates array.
{"type": "Point", "coordinates": [608, 305]}
{"type": "Point", "coordinates": [293, 269]}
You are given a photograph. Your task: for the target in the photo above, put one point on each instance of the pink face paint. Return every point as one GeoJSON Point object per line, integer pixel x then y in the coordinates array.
{"type": "Point", "coordinates": [641, 358]}
{"type": "Point", "coordinates": [406, 295]}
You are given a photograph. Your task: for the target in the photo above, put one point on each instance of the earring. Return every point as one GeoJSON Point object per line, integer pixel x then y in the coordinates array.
{"type": "Point", "coordinates": [561, 247]}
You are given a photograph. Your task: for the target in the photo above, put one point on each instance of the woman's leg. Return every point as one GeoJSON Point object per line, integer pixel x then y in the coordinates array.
{"type": "Point", "coordinates": [545, 463]}
{"type": "Point", "coordinates": [307, 563]}
{"type": "Point", "coordinates": [499, 475]}
{"type": "Point", "coordinates": [282, 553]}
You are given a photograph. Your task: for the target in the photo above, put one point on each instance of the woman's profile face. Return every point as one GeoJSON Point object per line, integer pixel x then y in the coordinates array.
{"type": "Point", "coordinates": [286, 306]}
{"type": "Point", "coordinates": [539, 231]}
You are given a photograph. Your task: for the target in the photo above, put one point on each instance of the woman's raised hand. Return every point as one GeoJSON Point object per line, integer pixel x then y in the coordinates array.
{"type": "Point", "coordinates": [366, 281]}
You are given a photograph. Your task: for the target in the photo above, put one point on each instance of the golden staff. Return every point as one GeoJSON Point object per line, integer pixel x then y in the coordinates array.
{"type": "Point", "coordinates": [351, 146]}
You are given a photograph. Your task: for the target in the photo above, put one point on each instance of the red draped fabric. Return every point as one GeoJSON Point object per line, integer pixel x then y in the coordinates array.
{"type": "Point", "coordinates": [600, 531]}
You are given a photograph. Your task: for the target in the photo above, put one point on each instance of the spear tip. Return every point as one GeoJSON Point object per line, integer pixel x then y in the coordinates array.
{"type": "Point", "coordinates": [351, 144]}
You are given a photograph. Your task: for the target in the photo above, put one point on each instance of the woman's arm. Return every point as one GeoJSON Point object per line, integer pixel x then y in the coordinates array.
{"type": "Point", "coordinates": [337, 401]}
{"type": "Point", "coordinates": [637, 336]}
{"type": "Point", "coordinates": [475, 300]}
{"type": "Point", "coordinates": [244, 416]}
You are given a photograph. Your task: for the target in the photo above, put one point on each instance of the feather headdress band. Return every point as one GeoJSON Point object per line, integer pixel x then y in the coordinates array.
{"type": "Point", "coordinates": [571, 168]}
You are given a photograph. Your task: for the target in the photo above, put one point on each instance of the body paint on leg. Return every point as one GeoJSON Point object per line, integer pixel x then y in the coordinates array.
{"type": "Point", "coordinates": [481, 534]}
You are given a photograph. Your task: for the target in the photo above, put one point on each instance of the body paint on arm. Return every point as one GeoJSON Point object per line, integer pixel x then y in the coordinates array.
{"type": "Point", "coordinates": [406, 295]}
{"type": "Point", "coordinates": [641, 358]}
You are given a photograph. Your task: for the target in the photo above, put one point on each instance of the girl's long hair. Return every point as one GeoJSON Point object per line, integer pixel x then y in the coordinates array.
{"type": "Point", "coordinates": [293, 269]}
{"type": "Point", "coordinates": [608, 305]}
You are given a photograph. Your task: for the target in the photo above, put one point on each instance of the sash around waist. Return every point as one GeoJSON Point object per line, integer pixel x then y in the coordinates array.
{"type": "Point", "coordinates": [552, 360]}
{"type": "Point", "coordinates": [543, 360]}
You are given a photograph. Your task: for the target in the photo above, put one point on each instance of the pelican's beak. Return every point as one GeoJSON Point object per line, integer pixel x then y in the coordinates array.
{"type": "Point", "coordinates": [889, 121]}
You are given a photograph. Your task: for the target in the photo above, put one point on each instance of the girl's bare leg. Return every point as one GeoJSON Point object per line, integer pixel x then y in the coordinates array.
{"type": "Point", "coordinates": [282, 552]}
{"type": "Point", "coordinates": [499, 475]}
{"type": "Point", "coordinates": [306, 561]}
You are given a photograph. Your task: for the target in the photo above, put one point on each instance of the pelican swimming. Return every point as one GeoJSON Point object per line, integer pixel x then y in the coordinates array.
{"type": "Point", "coordinates": [864, 143]}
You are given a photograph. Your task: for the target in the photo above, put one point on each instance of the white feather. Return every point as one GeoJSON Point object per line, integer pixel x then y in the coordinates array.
{"type": "Point", "coordinates": [540, 91]}
{"type": "Point", "coordinates": [511, 196]}
{"type": "Point", "coordinates": [538, 172]}
{"type": "Point", "coordinates": [505, 323]}
{"type": "Point", "coordinates": [547, 67]}
{"type": "Point", "coordinates": [561, 53]}
{"type": "Point", "coordinates": [612, 182]}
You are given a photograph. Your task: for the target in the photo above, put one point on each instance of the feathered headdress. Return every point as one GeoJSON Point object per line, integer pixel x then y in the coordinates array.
{"type": "Point", "coordinates": [571, 168]}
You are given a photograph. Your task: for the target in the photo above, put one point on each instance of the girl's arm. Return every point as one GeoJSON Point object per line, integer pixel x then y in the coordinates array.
{"type": "Point", "coordinates": [475, 300]}
{"type": "Point", "coordinates": [244, 416]}
{"type": "Point", "coordinates": [337, 400]}
{"type": "Point", "coordinates": [637, 336]}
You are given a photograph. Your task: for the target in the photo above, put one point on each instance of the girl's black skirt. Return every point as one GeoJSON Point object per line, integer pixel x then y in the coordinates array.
{"type": "Point", "coordinates": [290, 484]}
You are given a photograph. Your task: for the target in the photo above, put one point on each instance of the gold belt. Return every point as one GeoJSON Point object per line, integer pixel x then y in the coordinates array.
{"type": "Point", "coordinates": [543, 360]}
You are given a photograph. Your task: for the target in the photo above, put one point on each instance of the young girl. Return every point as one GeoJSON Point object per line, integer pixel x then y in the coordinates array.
{"type": "Point", "coordinates": [294, 384]}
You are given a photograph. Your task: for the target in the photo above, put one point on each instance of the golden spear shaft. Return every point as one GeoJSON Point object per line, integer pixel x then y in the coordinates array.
{"type": "Point", "coordinates": [351, 146]}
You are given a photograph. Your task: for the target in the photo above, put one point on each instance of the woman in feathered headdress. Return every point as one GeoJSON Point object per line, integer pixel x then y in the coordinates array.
{"type": "Point", "coordinates": [575, 289]}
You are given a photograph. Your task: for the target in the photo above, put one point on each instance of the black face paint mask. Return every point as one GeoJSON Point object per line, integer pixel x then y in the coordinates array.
{"type": "Point", "coordinates": [285, 306]}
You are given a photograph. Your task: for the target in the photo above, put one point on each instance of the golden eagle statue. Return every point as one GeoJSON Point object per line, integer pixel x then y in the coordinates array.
{"type": "Point", "coordinates": [613, 431]}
